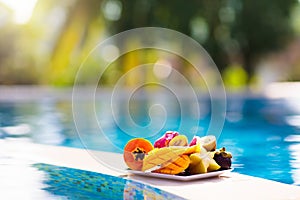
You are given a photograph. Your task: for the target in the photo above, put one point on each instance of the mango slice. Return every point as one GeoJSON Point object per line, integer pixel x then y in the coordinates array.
{"type": "Point", "coordinates": [175, 167]}
{"type": "Point", "coordinates": [160, 156]}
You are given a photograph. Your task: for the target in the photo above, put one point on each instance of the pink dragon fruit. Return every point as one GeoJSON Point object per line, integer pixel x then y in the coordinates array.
{"type": "Point", "coordinates": [165, 139]}
{"type": "Point", "coordinates": [195, 140]}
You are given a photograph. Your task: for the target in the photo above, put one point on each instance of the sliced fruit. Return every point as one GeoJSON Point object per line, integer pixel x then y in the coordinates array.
{"type": "Point", "coordinates": [159, 156]}
{"type": "Point", "coordinates": [165, 139]}
{"type": "Point", "coordinates": [202, 163]}
{"type": "Point", "coordinates": [175, 167]}
{"type": "Point", "coordinates": [223, 158]}
{"type": "Point", "coordinates": [135, 151]}
{"type": "Point", "coordinates": [179, 140]}
{"type": "Point", "coordinates": [197, 164]}
{"type": "Point", "coordinates": [194, 141]}
{"type": "Point", "coordinates": [193, 149]}
{"type": "Point", "coordinates": [208, 142]}
{"type": "Point", "coordinates": [213, 166]}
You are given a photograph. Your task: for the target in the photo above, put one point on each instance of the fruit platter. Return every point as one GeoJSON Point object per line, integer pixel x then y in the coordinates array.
{"type": "Point", "coordinates": [173, 157]}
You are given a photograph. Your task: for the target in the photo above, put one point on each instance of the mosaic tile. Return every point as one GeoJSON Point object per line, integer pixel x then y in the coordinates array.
{"type": "Point", "coordinates": [69, 183]}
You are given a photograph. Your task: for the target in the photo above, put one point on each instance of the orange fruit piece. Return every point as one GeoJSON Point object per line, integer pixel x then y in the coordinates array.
{"type": "Point", "coordinates": [175, 167]}
{"type": "Point", "coordinates": [135, 151]}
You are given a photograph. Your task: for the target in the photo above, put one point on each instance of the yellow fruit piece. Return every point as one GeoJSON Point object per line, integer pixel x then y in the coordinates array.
{"type": "Point", "coordinates": [197, 164]}
{"type": "Point", "coordinates": [179, 140]}
{"type": "Point", "coordinates": [175, 167]}
{"type": "Point", "coordinates": [158, 156]}
{"type": "Point", "coordinates": [193, 149]}
{"type": "Point", "coordinates": [209, 142]}
{"type": "Point", "coordinates": [202, 163]}
{"type": "Point", "coordinates": [213, 166]}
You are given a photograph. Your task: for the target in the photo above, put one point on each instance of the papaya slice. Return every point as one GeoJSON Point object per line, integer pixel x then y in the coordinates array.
{"type": "Point", "coordinates": [135, 151]}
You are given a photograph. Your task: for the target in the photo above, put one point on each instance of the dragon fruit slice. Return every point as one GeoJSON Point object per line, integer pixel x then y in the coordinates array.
{"type": "Point", "coordinates": [195, 140]}
{"type": "Point", "coordinates": [165, 139]}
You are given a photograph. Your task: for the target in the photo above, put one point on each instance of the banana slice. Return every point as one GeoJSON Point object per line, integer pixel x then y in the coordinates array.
{"type": "Point", "coordinates": [208, 142]}
{"type": "Point", "coordinates": [179, 140]}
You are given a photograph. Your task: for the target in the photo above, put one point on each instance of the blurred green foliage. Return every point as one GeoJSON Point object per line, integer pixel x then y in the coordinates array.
{"type": "Point", "coordinates": [50, 47]}
{"type": "Point", "coordinates": [234, 30]}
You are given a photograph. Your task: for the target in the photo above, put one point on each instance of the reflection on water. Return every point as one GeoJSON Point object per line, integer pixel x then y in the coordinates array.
{"type": "Point", "coordinates": [68, 183]}
{"type": "Point", "coordinates": [295, 162]}
{"type": "Point", "coordinates": [263, 135]}
{"type": "Point", "coordinates": [293, 120]}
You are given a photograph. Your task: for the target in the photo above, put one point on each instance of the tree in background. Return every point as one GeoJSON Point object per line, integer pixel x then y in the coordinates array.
{"type": "Point", "coordinates": [232, 31]}
{"type": "Point", "coordinates": [236, 33]}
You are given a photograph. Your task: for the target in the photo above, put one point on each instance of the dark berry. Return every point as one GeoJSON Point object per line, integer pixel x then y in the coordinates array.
{"type": "Point", "coordinates": [223, 158]}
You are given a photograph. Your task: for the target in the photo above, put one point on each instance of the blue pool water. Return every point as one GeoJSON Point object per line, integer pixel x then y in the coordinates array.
{"type": "Point", "coordinates": [262, 134]}
{"type": "Point", "coordinates": [68, 183]}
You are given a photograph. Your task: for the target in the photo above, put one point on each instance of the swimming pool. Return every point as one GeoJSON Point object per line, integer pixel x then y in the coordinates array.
{"type": "Point", "coordinates": [69, 183]}
{"type": "Point", "coordinates": [263, 134]}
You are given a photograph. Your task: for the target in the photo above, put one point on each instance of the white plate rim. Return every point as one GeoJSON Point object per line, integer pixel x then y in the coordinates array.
{"type": "Point", "coordinates": [181, 178]}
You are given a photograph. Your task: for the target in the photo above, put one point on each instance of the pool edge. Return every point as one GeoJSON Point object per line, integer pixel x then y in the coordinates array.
{"type": "Point", "coordinates": [229, 186]}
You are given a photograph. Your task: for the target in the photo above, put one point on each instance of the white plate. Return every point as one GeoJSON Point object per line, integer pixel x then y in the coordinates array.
{"type": "Point", "coordinates": [181, 178]}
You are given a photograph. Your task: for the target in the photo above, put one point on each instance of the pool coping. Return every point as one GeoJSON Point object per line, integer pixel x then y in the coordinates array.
{"type": "Point", "coordinates": [231, 185]}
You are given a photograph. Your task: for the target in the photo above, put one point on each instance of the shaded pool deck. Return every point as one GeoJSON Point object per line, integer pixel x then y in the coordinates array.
{"type": "Point", "coordinates": [231, 185]}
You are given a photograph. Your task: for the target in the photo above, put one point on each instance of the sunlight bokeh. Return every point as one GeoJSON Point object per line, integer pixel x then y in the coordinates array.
{"type": "Point", "coordinates": [22, 10]}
